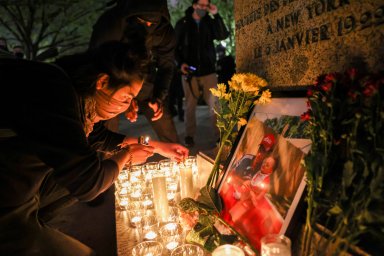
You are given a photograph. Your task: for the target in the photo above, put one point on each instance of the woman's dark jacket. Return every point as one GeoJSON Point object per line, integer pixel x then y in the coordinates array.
{"type": "Point", "coordinates": [195, 45]}
{"type": "Point", "coordinates": [41, 132]}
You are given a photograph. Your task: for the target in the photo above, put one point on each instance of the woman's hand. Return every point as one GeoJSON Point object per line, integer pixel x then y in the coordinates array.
{"type": "Point", "coordinates": [140, 153]}
{"type": "Point", "coordinates": [131, 113]}
{"type": "Point", "coordinates": [173, 151]}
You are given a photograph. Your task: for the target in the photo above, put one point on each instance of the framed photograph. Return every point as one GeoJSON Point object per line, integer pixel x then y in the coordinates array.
{"type": "Point", "coordinates": [265, 179]}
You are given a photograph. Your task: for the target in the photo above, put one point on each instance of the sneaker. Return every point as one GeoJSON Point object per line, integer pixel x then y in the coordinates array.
{"type": "Point", "coordinates": [189, 142]}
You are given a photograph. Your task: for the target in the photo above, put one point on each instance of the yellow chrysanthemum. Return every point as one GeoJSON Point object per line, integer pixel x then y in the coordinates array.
{"type": "Point", "coordinates": [215, 92]}
{"type": "Point", "coordinates": [264, 98]}
{"type": "Point", "coordinates": [241, 122]}
{"type": "Point", "coordinates": [227, 96]}
{"type": "Point", "coordinates": [221, 87]}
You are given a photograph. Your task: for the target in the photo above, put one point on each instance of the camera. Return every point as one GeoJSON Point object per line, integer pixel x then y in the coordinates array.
{"type": "Point", "coordinates": [191, 71]}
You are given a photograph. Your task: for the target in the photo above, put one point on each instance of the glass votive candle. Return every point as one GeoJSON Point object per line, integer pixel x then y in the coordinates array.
{"type": "Point", "coordinates": [160, 195]}
{"type": "Point", "coordinates": [135, 216]}
{"type": "Point", "coordinates": [122, 201]}
{"type": "Point", "coordinates": [149, 168]}
{"type": "Point", "coordinates": [150, 227]}
{"type": "Point", "coordinates": [147, 198]}
{"type": "Point", "coordinates": [136, 174]}
{"type": "Point", "coordinates": [135, 212]}
{"type": "Point", "coordinates": [174, 214]}
{"type": "Point", "coordinates": [166, 165]}
{"type": "Point", "coordinates": [172, 235]}
{"type": "Point", "coordinates": [148, 248]}
{"type": "Point", "coordinates": [136, 194]}
{"type": "Point", "coordinates": [275, 245]}
{"type": "Point", "coordinates": [186, 179]}
{"type": "Point", "coordinates": [188, 250]}
{"type": "Point", "coordinates": [228, 250]}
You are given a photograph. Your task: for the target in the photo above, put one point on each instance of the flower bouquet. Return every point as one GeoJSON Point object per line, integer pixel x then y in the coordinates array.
{"type": "Point", "coordinates": [345, 167]}
{"type": "Point", "coordinates": [203, 214]}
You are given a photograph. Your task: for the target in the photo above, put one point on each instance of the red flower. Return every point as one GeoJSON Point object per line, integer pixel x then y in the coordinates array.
{"type": "Point", "coordinates": [326, 87]}
{"type": "Point", "coordinates": [331, 77]}
{"type": "Point", "coordinates": [370, 89]}
{"type": "Point", "coordinates": [305, 116]}
{"type": "Point", "coordinates": [309, 93]}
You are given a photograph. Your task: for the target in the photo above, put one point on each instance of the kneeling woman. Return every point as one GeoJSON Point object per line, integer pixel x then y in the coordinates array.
{"type": "Point", "coordinates": [51, 136]}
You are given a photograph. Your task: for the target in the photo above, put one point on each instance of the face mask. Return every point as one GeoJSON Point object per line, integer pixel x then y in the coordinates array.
{"type": "Point", "coordinates": [200, 12]}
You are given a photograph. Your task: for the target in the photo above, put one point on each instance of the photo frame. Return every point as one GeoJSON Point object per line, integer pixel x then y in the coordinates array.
{"type": "Point", "coordinates": [264, 179]}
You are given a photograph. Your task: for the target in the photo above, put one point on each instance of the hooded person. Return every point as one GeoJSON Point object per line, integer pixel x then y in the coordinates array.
{"type": "Point", "coordinates": [127, 20]}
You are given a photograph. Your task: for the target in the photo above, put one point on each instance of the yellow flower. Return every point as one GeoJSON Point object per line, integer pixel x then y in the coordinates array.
{"type": "Point", "coordinates": [215, 92]}
{"type": "Point", "coordinates": [241, 122]}
{"type": "Point", "coordinates": [264, 98]}
{"type": "Point", "coordinates": [221, 87]}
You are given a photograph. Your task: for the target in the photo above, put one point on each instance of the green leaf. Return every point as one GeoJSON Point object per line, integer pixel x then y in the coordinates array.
{"type": "Point", "coordinates": [194, 237]}
{"type": "Point", "coordinates": [210, 197]}
{"type": "Point", "coordinates": [188, 205]}
{"type": "Point", "coordinates": [212, 242]}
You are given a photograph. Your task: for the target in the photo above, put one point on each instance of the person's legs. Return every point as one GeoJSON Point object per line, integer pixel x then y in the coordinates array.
{"type": "Point", "coordinates": [22, 234]}
{"type": "Point", "coordinates": [52, 199]}
{"type": "Point", "coordinates": [164, 127]}
{"type": "Point", "coordinates": [208, 82]}
{"type": "Point", "coordinates": [190, 105]}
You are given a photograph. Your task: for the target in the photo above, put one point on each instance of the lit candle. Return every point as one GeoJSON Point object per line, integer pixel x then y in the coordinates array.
{"type": "Point", "coordinates": [275, 245]}
{"type": "Point", "coordinates": [186, 180]}
{"type": "Point", "coordinates": [228, 250]}
{"type": "Point", "coordinates": [275, 249]}
{"type": "Point", "coordinates": [160, 198]}
{"type": "Point", "coordinates": [171, 235]}
{"type": "Point", "coordinates": [136, 195]}
{"type": "Point", "coordinates": [136, 219]}
{"type": "Point", "coordinates": [171, 245]}
{"type": "Point", "coordinates": [150, 235]}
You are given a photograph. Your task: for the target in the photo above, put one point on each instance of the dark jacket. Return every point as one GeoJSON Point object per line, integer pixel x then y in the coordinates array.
{"type": "Point", "coordinates": [195, 42]}
{"type": "Point", "coordinates": [114, 24]}
{"type": "Point", "coordinates": [41, 132]}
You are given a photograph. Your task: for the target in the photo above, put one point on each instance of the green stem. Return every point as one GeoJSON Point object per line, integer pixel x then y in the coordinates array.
{"type": "Point", "coordinates": [216, 166]}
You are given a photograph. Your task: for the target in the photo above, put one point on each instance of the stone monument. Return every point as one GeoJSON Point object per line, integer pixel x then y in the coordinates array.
{"type": "Point", "coordinates": [291, 42]}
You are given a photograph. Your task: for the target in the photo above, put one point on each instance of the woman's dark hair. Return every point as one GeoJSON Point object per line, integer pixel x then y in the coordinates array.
{"type": "Point", "coordinates": [123, 62]}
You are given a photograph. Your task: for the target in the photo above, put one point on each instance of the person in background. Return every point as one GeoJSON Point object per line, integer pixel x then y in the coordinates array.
{"type": "Point", "coordinates": [150, 19]}
{"type": "Point", "coordinates": [46, 157]}
{"type": "Point", "coordinates": [176, 95]}
{"type": "Point", "coordinates": [196, 58]}
{"type": "Point", "coordinates": [18, 51]}
{"type": "Point", "coordinates": [225, 66]}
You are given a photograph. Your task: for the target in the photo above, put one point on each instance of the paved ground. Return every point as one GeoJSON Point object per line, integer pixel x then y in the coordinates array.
{"type": "Point", "coordinates": [95, 225]}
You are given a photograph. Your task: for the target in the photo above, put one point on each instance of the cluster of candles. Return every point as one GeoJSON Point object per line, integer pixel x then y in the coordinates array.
{"type": "Point", "coordinates": [148, 194]}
